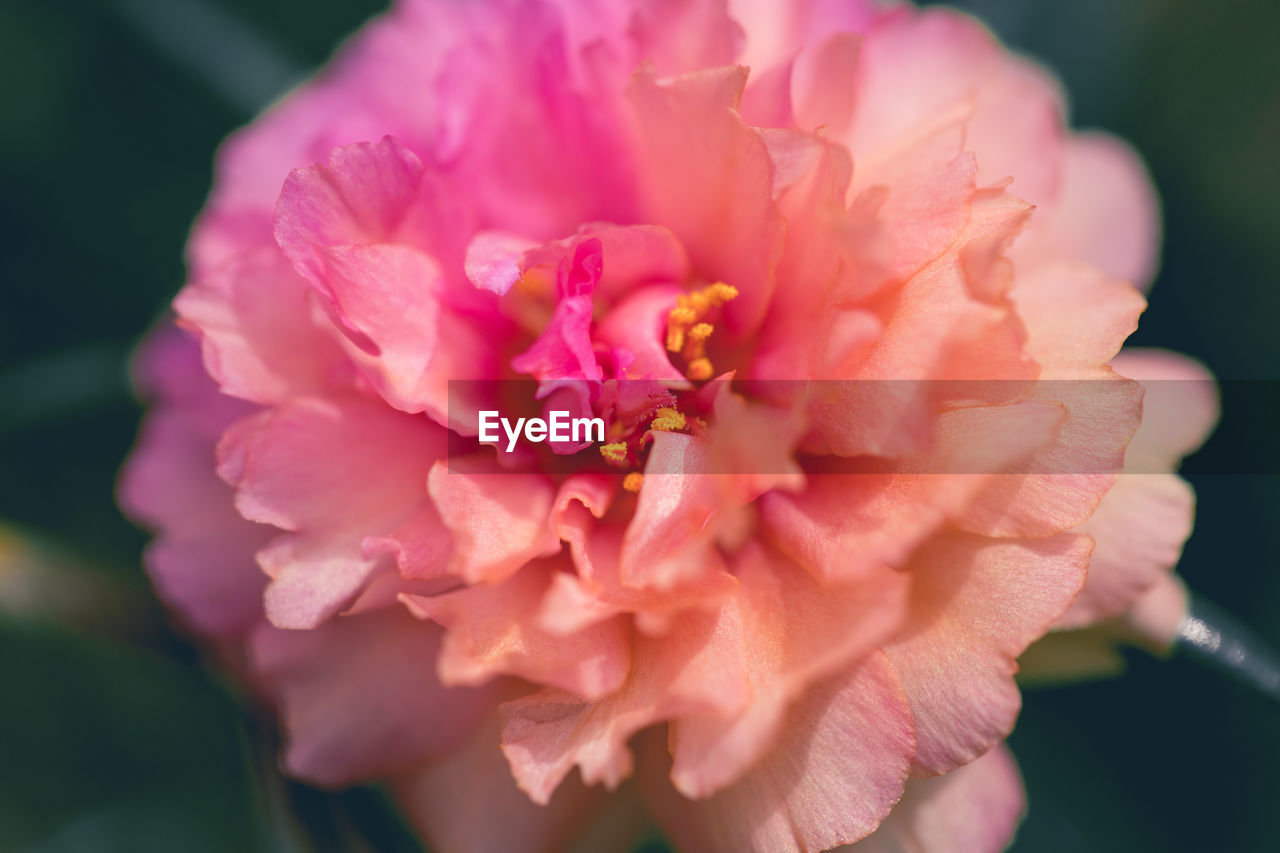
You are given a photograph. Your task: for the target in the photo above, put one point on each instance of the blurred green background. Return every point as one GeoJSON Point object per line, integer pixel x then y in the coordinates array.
{"type": "Point", "coordinates": [112, 737]}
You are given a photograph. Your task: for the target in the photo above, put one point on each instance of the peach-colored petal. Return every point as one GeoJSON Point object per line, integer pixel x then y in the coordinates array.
{"type": "Point", "coordinates": [684, 35]}
{"type": "Point", "coordinates": [975, 605]}
{"type": "Point", "coordinates": [926, 189]}
{"type": "Point", "coordinates": [696, 667]}
{"type": "Point", "coordinates": [822, 629]}
{"type": "Point", "coordinates": [1076, 318]}
{"type": "Point", "coordinates": [775, 31]}
{"type": "Point", "coordinates": [326, 679]}
{"type": "Point", "coordinates": [499, 520]}
{"type": "Point", "coordinates": [1107, 213]}
{"type": "Point", "coordinates": [422, 545]}
{"type": "Point", "coordinates": [298, 467]}
{"type": "Point", "coordinates": [840, 766]}
{"type": "Point", "coordinates": [1142, 523]}
{"type": "Point", "coordinates": [710, 182]}
{"type": "Point", "coordinates": [492, 630]}
{"type": "Point", "coordinates": [935, 327]}
{"type": "Point", "coordinates": [1156, 618]}
{"type": "Point", "coordinates": [975, 807]}
{"type": "Point", "coordinates": [1139, 527]}
{"type": "Point", "coordinates": [259, 339]}
{"type": "Point", "coordinates": [598, 592]}
{"type": "Point", "coordinates": [1063, 483]}
{"type": "Point", "coordinates": [466, 802]}
{"type": "Point", "coordinates": [673, 515]}
{"type": "Point", "coordinates": [1179, 407]}
{"type": "Point", "coordinates": [915, 66]}
{"type": "Point", "coordinates": [845, 524]}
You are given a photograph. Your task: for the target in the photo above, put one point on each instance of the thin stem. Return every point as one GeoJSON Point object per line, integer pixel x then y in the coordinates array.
{"type": "Point", "coordinates": [1211, 635]}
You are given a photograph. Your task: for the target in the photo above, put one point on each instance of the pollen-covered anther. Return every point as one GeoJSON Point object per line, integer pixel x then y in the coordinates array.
{"type": "Point", "coordinates": [720, 293]}
{"type": "Point", "coordinates": [615, 452]}
{"type": "Point", "coordinates": [687, 331]}
{"type": "Point", "coordinates": [693, 307]}
{"type": "Point", "coordinates": [699, 370]}
{"type": "Point", "coordinates": [695, 345]}
{"type": "Point", "coordinates": [633, 481]}
{"type": "Point", "coordinates": [668, 419]}
{"type": "Point", "coordinates": [679, 320]}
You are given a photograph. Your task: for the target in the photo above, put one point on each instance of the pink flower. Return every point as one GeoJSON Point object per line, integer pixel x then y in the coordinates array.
{"type": "Point", "coordinates": [788, 611]}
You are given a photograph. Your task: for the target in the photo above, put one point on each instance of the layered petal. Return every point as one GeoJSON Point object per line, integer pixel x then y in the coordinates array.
{"type": "Point", "coordinates": [454, 801]}
{"type": "Point", "coordinates": [975, 605]}
{"type": "Point", "coordinates": [841, 764]}
{"type": "Point", "coordinates": [823, 629]}
{"type": "Point", "coordinates": [499, 520]}
{"type": "Point", "coordinates": [845, 295]}
{"type": "Point", "coordinates": [974, 807]}
{"type": "Point", "coordinates": [326, 680]}
{"type": "Point", "coordinates": [1142, 523]}
{"type": "Point", "coordinates": [493, 630]}
{"type": "Point", "coordinates": [298, 468]}
{"type": "Point", "coordinates": [696, 667]}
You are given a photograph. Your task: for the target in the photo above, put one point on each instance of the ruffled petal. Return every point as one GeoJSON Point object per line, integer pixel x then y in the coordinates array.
{"type": "Point", "coordinates": [1142, 523]}
{"type": "Point", "coordinates": [975, 606]}
{"type": "Point", "coordinates": [709, 178]}
{"type": "Point", "coordinates": [975, 808]}
{"type": "Point", "coordinates": [499, 519]}
{"type": "Point", "coordinates": [917, 65]}
{"type": "Point", "coordinates": [1106, 214]}
{"type": "Point", "coordinates": [492, 630]}
{"type": "Point", "coordinates": [258, 336]}
{"type": "Point", "coordinates": [695, 668]}
{"type": "Point", "coordinates": [467, 802]}
{"type": "Point", "coordinates": [821, 629]}
{"type": "Point", "coordinates": [684, 35]}
{"type": "Point", "coordinates": [201, 560]}
{"type": "Point", "coordinates": [840, 766]}
{"type": "Point", "coordinates": [305, 468]}
{"type": "Point", "coordinates": [326, 680]}
{"type": "Point", "coordinates": [844, 525]}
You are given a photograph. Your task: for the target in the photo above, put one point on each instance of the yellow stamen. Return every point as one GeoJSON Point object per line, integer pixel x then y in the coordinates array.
{"type": "Point", "coordinates": [687, 332]}
{"type": "Point", "coordinates": [695, 345]}
{"type": "Point", "coordinates": [677, 322]}
{"type": "Point", "coordinates": [632, 481]}
{"type": "Point", "coordinates": [668, 420]}
{"type": "Point", "coordinates": [721, 293]}
{"type": "Point", "coordinates": [615, 453]}
{"type": "Point", "coordinates": [699, 370]}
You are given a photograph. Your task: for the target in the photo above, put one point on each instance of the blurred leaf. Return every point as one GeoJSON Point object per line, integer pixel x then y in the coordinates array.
{"type": "Point", "coordinates": [107, 748]}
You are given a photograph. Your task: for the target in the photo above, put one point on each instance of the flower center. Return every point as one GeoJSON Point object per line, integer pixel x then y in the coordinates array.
{"type": "Point", "coordinates": [688, 331]}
